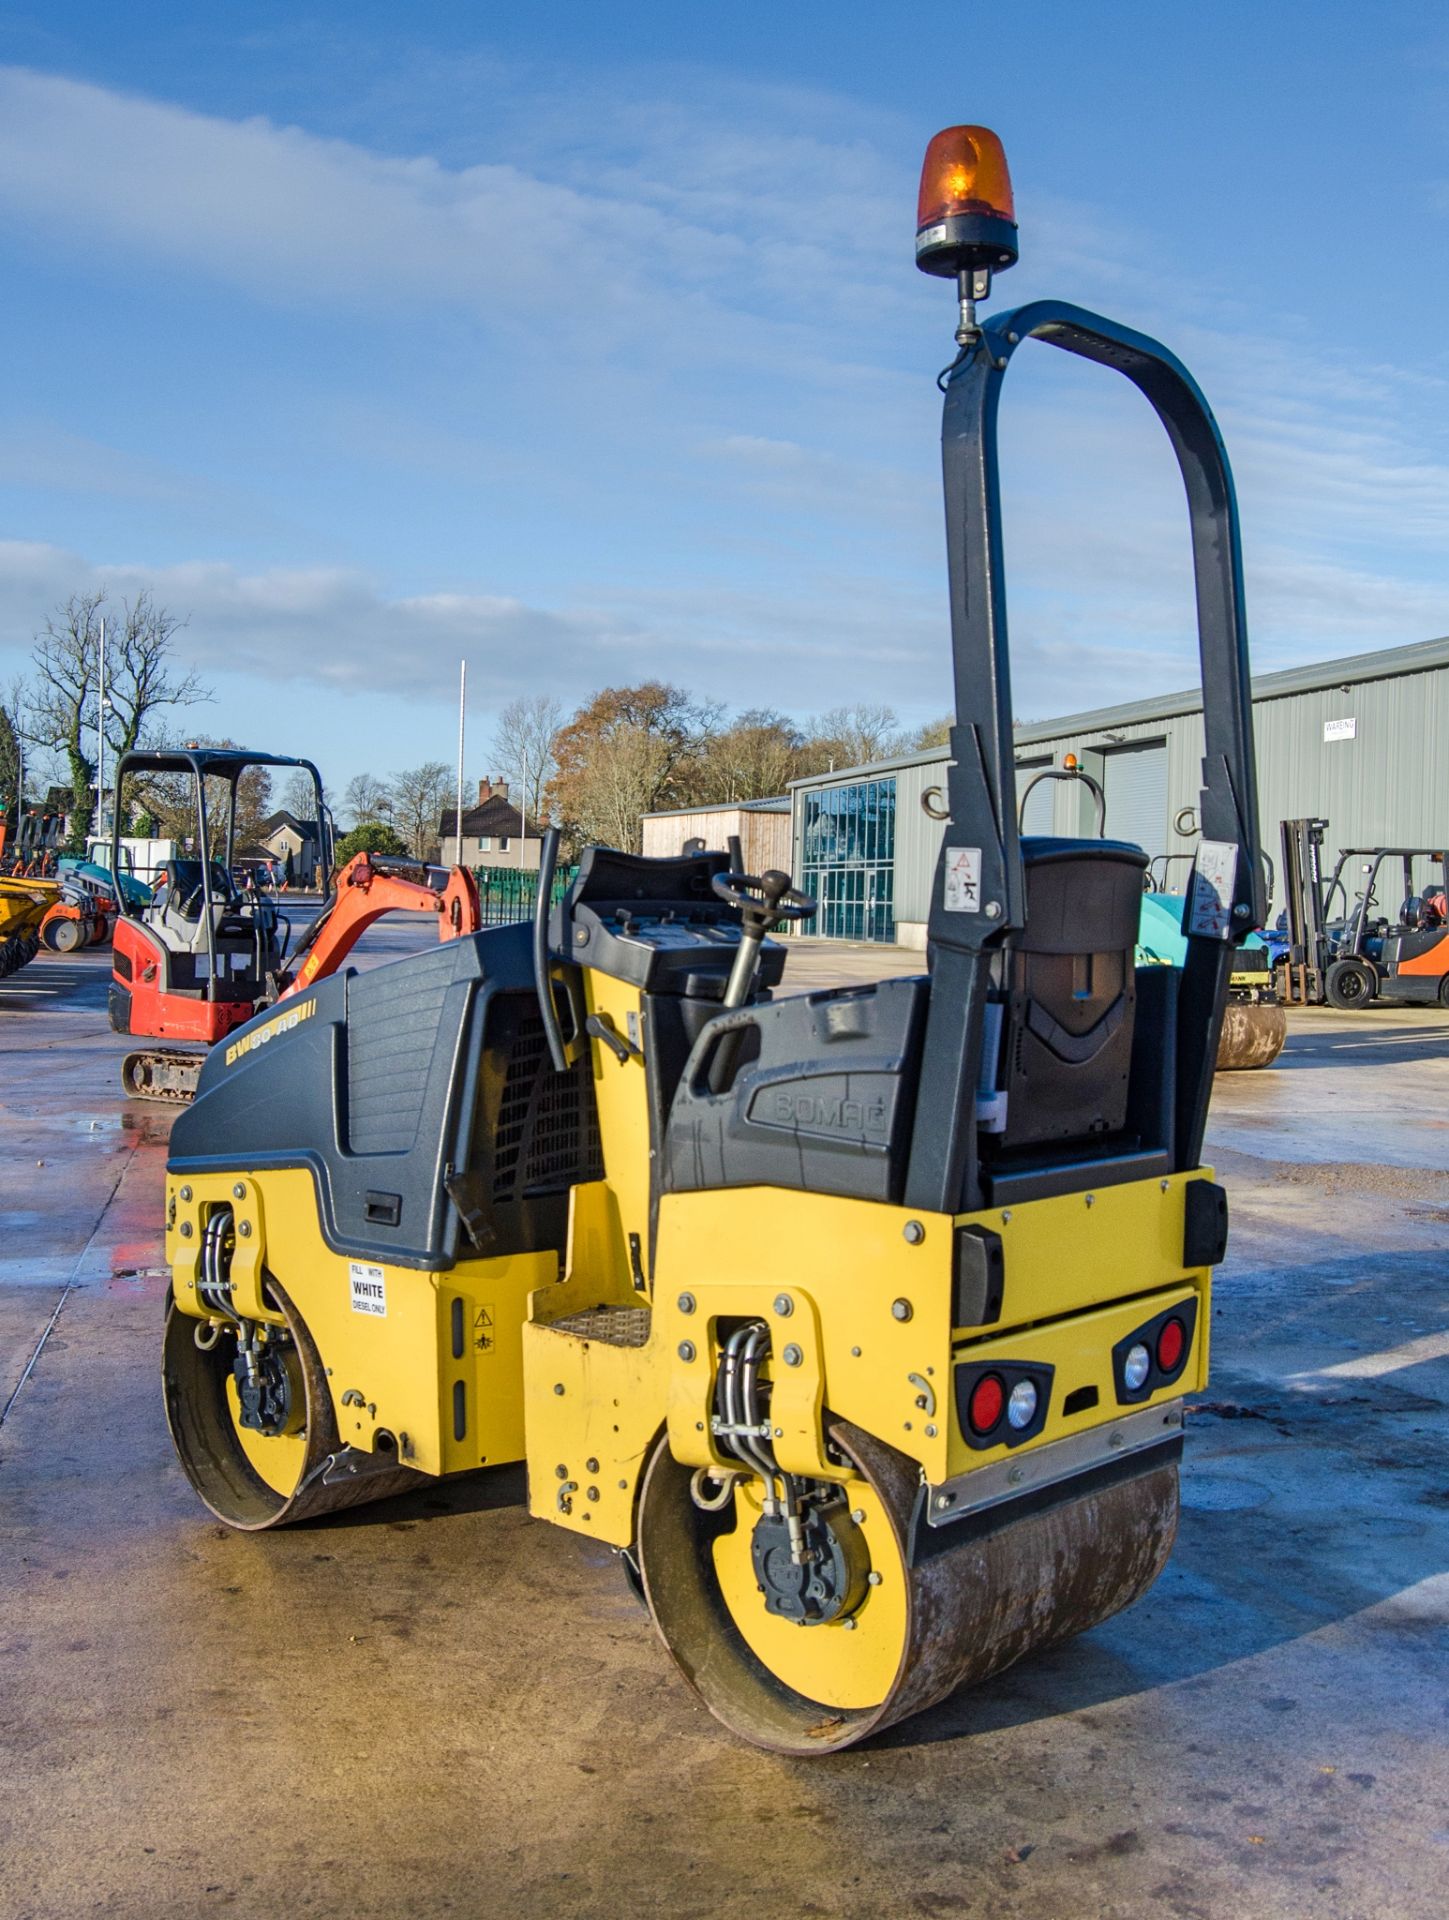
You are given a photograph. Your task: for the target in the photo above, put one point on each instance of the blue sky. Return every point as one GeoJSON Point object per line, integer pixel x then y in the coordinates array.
{"type": "Point", "coordinates": [586, 341]}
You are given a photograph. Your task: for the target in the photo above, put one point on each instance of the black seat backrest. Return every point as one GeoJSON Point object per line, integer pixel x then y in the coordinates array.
{"type": "Point", "coordinates": [1071, 992]}
{"type": "Point", "coordinates": [182, 879]}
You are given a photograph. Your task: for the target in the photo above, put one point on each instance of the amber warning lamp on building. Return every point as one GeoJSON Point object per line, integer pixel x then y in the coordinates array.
{"type": "Point", "coordinates": [966, 216]}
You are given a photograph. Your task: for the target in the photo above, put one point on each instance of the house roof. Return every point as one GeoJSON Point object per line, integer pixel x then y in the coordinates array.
{"type": "Point", "coordinates": [496, 818]}
{"type": "Point", "coordinates": [774, 803]}
{"type": "Point", "coordinates": [283, 818]}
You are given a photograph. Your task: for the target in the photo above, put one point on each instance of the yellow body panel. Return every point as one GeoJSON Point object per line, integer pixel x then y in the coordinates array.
{"type": "Point", "coordinates": [860, 1315]}
{"type": "Point", "coordinates": [870, 1311]}
{"type": "Point", "coordinates": [1081, 1249]}
{"type": "Point", "coordinates": [399, 1370]}
{"type": "Point", "coordinates": [594, 1407]}
{"type": "Point", "coordinates": [24, 904]}
{"type": "Point", "coordinates": [1080, 1350]}
{"type": "Point", "coordinates": [621, 1090]}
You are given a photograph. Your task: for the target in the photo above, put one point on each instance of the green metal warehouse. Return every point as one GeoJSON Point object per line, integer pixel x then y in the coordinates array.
{"type": "Point", "coordinates": [1360, 742]}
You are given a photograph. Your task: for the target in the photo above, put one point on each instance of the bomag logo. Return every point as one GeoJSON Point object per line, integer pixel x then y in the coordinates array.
{"type": "Point", "coordinates": [825, 1113]}
{"type": "Point", "coordinates": [259, 1036]}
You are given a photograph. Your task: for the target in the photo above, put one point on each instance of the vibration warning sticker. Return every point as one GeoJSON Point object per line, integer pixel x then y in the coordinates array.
{"type": "Point", "coordinates": [963, 879]}
{"type": "Point", "coordinates": [369, 1289]}
{"type": "Point", "coordinates": [1214, 876]}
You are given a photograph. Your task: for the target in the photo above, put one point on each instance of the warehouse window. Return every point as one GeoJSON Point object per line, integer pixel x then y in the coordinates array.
{"type": "Point", "coordinates": [849, 859]}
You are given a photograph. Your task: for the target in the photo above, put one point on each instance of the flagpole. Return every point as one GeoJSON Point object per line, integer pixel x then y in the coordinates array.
{"type": "Point", "coordinates": [101, 733]}
{"type": "Point", "coordinates": [462, 704]}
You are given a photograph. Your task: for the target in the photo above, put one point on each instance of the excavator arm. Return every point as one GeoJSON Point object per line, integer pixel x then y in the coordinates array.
{"type": "Point", "coordinates": [369, 886]}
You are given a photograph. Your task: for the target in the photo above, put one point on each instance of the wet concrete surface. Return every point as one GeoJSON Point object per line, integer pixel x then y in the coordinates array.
{"type": "Point", "coordinates": [439, 1706]}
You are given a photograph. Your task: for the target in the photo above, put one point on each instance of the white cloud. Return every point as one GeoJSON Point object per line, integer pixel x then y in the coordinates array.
{"type": "Point", "coordinates": [683, 243]}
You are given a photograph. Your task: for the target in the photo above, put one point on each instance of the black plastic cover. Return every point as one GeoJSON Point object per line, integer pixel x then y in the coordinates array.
{"type": "Point", "coordinates": [978, 1281]}
{"type": "Point", "coordinates": [393, 1087]}
{"type": "Point", "coordinates": [656, 923]}
{"type": "Point", "coordinates": [1205, 1225]}
{"type": "Point", "coordinates": [822, 1099]}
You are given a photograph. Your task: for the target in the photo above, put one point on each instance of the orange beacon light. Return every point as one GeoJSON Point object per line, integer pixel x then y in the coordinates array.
{"type": "Point", "coordinates": [966, 215]}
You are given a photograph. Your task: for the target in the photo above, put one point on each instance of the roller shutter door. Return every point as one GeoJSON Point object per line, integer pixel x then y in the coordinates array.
{"type": "Point", "coordinates": [1135, 783]}
{"type": "Point", "coordinates": [1038, 815]}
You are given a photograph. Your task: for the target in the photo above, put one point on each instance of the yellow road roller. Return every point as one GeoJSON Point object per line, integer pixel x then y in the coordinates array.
{"type": "Point", "coordinates": [858, 1322]}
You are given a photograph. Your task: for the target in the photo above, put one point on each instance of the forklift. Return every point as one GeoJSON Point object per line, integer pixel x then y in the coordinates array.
{"type": "Point", "coordinates": [1348, 953]}
{"type": "Point", "coordinates": [859, 1323]}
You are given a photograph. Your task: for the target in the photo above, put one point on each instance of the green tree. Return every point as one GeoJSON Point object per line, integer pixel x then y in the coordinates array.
{"type": "Point", "coordinates": [371, 837]}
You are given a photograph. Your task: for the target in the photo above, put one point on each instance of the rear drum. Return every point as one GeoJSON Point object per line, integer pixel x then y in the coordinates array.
{"type": "Point", "coordinates": [956, 1617]}
{"type": "Point", "coordinates": [249, 1479]}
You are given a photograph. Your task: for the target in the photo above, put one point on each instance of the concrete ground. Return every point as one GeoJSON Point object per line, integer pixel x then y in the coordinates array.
{"type": "Point", "coordinates": [438, 1706]}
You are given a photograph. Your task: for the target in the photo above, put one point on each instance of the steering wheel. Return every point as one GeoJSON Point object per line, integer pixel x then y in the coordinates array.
{"type": "Point", "coordinates": [764, 899]}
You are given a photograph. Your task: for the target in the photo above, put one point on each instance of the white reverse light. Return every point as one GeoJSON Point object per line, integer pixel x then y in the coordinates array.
{"type": "Point", "coordinates": [1021, 1407]}
{"type": "Point", "coordinates": [1136, 1367]}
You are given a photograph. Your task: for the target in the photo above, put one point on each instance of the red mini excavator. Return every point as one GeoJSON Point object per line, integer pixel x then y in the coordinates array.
{"type": "Point", "coordinates": [204, 955]}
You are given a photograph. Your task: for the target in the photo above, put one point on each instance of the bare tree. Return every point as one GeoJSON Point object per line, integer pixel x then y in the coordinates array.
{"type": "Point", "coordinates": [299, 796]}
{"type": "Point", "coordinates": [627, 768]}
{"type": "Point", "coordinates": [756, 755]}
{"type": "Point", "coordinates": [935, 733]}
{"type": "Point", "coordinates": [64, 701]}
{"type": "Point", "coordinates": [522, 748]}
{"type": "Point", "coordinates": [9, 767]}
{"type": "Point", "coordinates": [139, 680]}
{"type": "Point", "coordinates": [366, 799]}
{"type": "Point", "coordinates": [168, 800]}
{"type": "Point", "coordinates": [852, 737]}
{"type": "Point", "coordinates": [418, 797]}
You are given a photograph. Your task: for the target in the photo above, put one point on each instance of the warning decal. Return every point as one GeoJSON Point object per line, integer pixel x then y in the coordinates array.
{"type": "Point", "coordinates": [369, 1289]}
{"type": "Point", "coordinates": [1214, 876]}
{"type": "Point", "coordinates": [483, 1329]}
{"type": "Point", "coordinates": [963, 879]}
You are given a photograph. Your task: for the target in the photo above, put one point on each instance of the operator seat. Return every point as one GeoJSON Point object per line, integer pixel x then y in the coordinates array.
{"type": "Point", "coordinates": [825, 1098]}
{"type": "Point", "coordinates": [1071, 992]}
{"type": "Point", "coordinates": [177, 922]}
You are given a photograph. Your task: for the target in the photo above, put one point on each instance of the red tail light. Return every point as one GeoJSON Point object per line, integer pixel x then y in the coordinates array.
{"type": "Point", "coordinates": [1170, 1343]}
{"type": "Point", "coordinates": [988, 1399]}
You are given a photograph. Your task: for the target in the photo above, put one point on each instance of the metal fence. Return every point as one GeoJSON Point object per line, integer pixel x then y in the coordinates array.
{"type": "Point", "coordinates": [508, 893]}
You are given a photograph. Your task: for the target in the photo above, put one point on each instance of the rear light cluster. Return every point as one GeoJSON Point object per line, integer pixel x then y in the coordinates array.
{"type": "Point", "coordinates": [1002, 1402]}
{"type": "Point", "coordinates": [1155, 1355]}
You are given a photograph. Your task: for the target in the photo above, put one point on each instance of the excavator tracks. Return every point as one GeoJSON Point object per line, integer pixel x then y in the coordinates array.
{"type": "Point", "coordinates": [165, 1074]}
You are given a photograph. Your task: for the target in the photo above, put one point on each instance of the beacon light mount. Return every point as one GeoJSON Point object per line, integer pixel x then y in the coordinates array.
{"type": "Point", "coordinates": [966, 217]}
